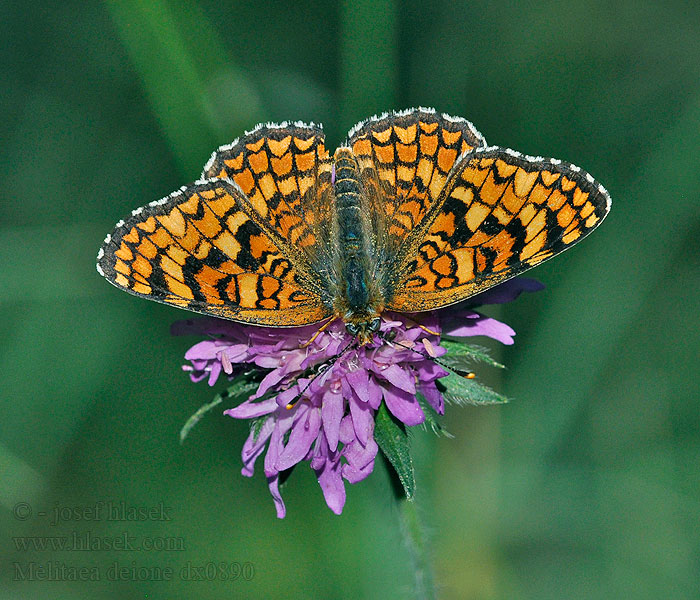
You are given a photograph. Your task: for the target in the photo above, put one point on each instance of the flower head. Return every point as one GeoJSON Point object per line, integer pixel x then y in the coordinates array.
{"type": "Point", "coordinates": [316, 393]}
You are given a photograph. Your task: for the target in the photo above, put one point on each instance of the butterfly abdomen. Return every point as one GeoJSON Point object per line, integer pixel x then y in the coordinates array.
{"type": "Point", "coordinates": [352, 244]}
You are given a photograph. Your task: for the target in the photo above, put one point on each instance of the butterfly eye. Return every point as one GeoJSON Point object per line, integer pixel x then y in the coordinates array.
{"type": "Point", "coordinates": [375, 324]}
{"type": "Point", "coordinates": [352, 328]}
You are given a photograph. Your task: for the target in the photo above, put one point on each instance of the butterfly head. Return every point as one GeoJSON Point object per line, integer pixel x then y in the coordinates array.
{"type": "Point", "coordinates": [363, 329]}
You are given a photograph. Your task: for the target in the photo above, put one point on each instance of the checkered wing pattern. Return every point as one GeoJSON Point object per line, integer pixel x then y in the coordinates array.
{"type": "Point", "coordinates": [443, 217]}
{"type": "Point", "coordinates": [405, 159]}
{"type": "Point", "coordinates": [501, 213]}
{"type": "Point", "coordinates": [205, 249]}
{"type": "Point", "coordinates": [285, 173]}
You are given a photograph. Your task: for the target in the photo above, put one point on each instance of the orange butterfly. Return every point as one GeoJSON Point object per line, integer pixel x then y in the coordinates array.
{"type": "Point", "coordinates": [413, 213]}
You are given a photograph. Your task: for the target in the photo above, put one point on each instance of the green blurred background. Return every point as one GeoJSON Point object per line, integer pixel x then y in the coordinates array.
{"type": "Point", "coordinates": [587, 485]}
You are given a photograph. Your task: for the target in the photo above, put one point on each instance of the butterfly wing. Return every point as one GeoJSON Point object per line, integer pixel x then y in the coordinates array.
{"type": "Point", "coordinates": [285, 173]}
{"type": "Point", "coordinates": [501, 213]}
{"type": "Point", "coordinates": [404, 161]}
{"type": "Point", "coordinates": [204, 249]}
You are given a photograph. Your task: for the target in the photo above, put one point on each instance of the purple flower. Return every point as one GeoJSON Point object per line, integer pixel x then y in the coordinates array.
{"type": "Point", "coordinates": [318, 397]}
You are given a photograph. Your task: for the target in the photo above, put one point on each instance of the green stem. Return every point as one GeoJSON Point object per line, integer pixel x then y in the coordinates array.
{"type": "Point", "coordinates": [392, 439]}
{"type": "Point", "coordinates": [414, 537]}
{"type": "Point", "coordinates": [413, 534]}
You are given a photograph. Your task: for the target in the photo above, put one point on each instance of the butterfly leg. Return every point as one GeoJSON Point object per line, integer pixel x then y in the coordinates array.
{"type": "Point", "coordinates": [423, 327]}
{"type": "Point", "coordinates": [319, 331]}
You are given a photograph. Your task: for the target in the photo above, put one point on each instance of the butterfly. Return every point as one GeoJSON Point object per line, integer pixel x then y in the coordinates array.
{"type": "Point", "coordinates": [414, 212]}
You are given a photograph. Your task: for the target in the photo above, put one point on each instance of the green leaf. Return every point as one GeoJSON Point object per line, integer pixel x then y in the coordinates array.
{"type": "Point", "coordinates": [256, 425]}
{"type": "Point", "coordinates": [392, 439]}
{"type": "Point", "coordinates": [459, 390]}
{"type": "Point", "coordinates": [197, 417]}
{"type": "Point", "coordinates": [461, 356]}
{"type": "Point", "coordinates": [431, 417]}
{"type": "Point", "coordinates": [240, 390]}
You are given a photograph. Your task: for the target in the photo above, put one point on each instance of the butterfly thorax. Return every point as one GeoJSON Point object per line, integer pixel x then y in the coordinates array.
{"type": "Point", "coordinates": [358, 299]}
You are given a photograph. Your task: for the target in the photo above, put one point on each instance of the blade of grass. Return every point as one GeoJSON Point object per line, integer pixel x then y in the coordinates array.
{"type": "Point", "coordinates": [179, 76]}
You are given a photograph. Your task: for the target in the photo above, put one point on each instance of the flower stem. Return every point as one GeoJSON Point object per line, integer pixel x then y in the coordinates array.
{"type": "Point", "coordinates": [413, 534]}
{"type": "Point", "coordinates": [414, 537]}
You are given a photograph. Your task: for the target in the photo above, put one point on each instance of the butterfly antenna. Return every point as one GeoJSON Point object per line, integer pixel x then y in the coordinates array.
{"type": "Point", "coordinates": [323, 367]}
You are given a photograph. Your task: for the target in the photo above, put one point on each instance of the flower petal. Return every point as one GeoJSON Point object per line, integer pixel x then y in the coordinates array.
{"type": "Point", "coordinates": [269, 381]}
{"type": "Point", "coordinates": [289, 395]}
{"type": "Point", "coordinates": [252, 410]}
{"type": "Point", "coordinates": [358, 380]}
{"type": "Point", "coordinates": [360, 461]}
{"type": "Point", "coordinates": [332, 408]}
{"type": "Point", "coordinates": [402, 378]}
{"type": "Point", "coordinates": [320, 452]}
{"type": "Point", "coordinates": [403, 406]}
{"type": "Point", "coordinates": [274, 485]}
{"type": "Point", "coordinates": [206, 350]}
{"type": "Point", "coordinates": [304, 433]}
{"type": "Point", "coordinates": [433, 396]}
{"type": "Point", "coordinates": [362, 420]}
{"type": "Point", "coordinates": [474, 323]}
{"type": "Point", "coordinates": [338, 446]}
{"type": "Point", "coordinates": [236, 353]}
{"type": "Point", "coordinates": [429, 370]}
{"type": "Point", "coordinates": [284, 419]}
{"type": "Point", "coordinates": [216, 368]}
{"type": "Point", "coordinates": [254, 446]}
{"type": "Point", "coordinates": [331, 481]}
{"type": "Point", "coordinates": [375, 393]}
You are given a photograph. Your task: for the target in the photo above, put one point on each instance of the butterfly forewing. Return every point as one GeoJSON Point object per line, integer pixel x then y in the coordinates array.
{"type": "Point", "coordinates": [501, 213]}
{"type": "Point", "coordinates": [203, 249]}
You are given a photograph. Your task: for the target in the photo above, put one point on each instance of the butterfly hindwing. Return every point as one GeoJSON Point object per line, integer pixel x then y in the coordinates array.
{"type": "Point", "coordinates": [285, 173]}
{"type": "Point", "coordinates": [404, 161]}
{"type": "Point", "coordinates": [501, 213]}
{"type": "Point", "coordinates": [203, 249]}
